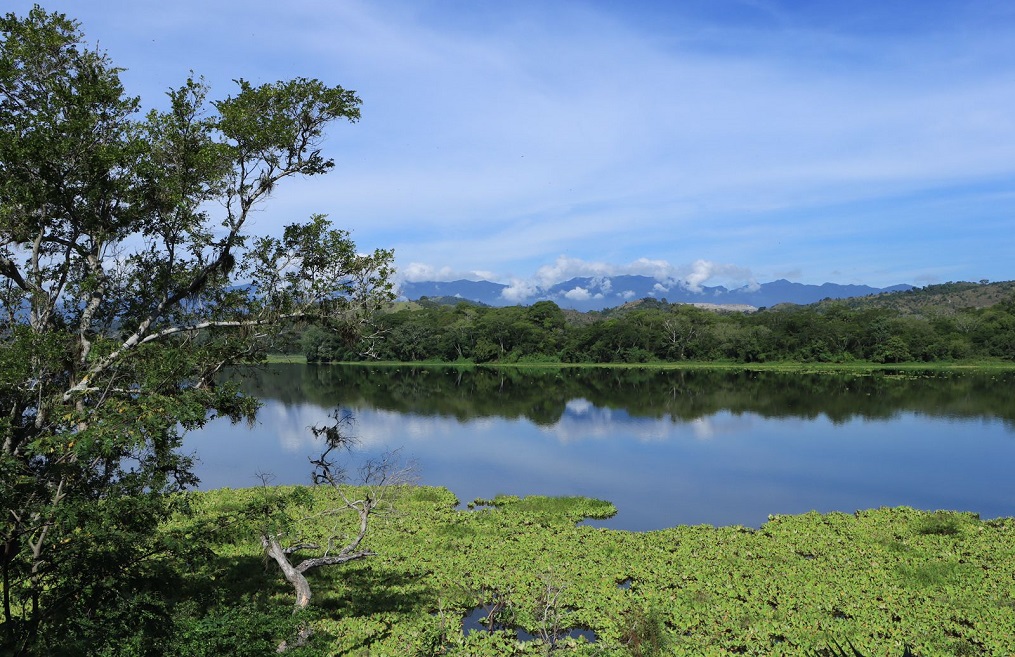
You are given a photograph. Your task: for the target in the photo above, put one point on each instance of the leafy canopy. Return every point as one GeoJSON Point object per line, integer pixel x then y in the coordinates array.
{"type": "Point", "coordinates": [128, 279]}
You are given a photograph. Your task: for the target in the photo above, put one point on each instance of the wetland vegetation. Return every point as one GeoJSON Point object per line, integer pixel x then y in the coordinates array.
{"type": "Point", "coordinates": [881, 580]}
{"type": "Point", "coordinates": [524, 575]}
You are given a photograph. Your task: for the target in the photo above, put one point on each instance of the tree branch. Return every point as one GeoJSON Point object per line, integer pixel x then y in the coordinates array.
{"type": "Point", "coordinates": [309, 564]}
{"type": "Point", "coordinates": [10, 269]}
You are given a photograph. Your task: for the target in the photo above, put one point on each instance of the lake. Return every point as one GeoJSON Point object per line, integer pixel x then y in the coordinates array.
{"type": "Point", "coordinates": [667, 447]}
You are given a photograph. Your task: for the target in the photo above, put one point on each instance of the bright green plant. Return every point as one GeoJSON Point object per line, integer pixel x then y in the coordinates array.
{"type": "Point", "coordinates": [877, 580]}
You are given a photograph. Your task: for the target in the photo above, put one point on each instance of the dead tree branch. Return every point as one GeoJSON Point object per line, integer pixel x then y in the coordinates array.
{"type": "Point", "coordinates": [380, 479]}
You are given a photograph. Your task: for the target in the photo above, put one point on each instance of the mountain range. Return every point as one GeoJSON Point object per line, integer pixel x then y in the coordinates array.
{"type": "Point", "coordinates": [586, 294]}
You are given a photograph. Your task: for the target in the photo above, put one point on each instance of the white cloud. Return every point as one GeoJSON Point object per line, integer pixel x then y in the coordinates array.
{"type": "Point", "coordinates": [518, 291]}
{"type": "Point", "coordinates": [581, 294]}
{"type": "Point", "coordinates": [657, 269]}
{"type": "Point", "coordinates": [702, 428]}
{"type": "Point", "coordinates": [565, 268]}
{"type": "Point", "coordinates": [417, 271]}
{"type": "Point", "coordinates": [702, 271]}
{"type": "Point", "coordinates": [579, 406]}
{"type": "Point", "coordinates": [692, 277]}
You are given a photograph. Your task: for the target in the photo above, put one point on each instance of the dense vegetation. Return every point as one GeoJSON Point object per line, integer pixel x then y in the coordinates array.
{"type": "Point", "coordinates": [921, 325]}
{"type": "Point", "coordinates": [941, 299]}
{"type": "Point", "coordinates": [939, 583]}
{"type": "Point", "coordinates": [126, 269]}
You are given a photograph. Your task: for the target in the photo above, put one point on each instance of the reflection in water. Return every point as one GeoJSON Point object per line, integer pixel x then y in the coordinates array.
{"type": "Point", "coordinates": [666, 447]}
{"type": "Point", "coordinates": [478, 620]}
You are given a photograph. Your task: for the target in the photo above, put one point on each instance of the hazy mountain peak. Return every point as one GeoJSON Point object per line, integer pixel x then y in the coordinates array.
{"type": "Point", "coordinates": [598, 292]}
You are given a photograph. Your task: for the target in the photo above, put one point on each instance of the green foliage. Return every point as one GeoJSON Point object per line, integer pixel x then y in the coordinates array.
{"type": "Point", "coordinates": [243, 628]}
{"type": "Point", "coordinates": [941, 523]}
{"type": "Point", "coordinates": [878, 580]}
{"type": "Point", "coordinates": [540, 506]}
{"type": "Point", "coordinates": [650, 331]}
{"type": "Point", "coordinates": [941, 299]}
{"type": "Point", "coordinates": [121, 302]}
{"type": "Point", "coordinates": [643, 631]}
{"type": "Point", "coordinates": [893, 350]}
{"type": "Point", "coordinates": [835, 649]}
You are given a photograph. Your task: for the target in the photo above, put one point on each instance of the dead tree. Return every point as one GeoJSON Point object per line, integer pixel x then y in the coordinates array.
{"type": "Point", "coordinates": [380, 479]}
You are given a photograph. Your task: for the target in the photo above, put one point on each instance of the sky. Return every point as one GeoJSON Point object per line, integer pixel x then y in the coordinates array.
{"type": "Point", "coordinates": [715, 142]}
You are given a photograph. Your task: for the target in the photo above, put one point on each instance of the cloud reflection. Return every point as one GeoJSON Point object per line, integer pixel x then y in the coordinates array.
{"type": "Point", "coordinates": [722, 467]}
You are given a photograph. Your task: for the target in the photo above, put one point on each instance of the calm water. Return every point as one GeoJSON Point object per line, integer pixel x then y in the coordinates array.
{"type": "Point", "coordinates": [666, 448]}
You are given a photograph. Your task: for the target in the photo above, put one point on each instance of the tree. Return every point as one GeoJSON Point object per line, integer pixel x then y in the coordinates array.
{"type": "Point", "coordinates": [123, 243]}
{"type": "Point", "coordinates": [381, 480]}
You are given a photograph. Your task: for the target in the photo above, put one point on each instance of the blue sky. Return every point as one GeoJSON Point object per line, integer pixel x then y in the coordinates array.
{"type": "Point", "coordinates": [710, 141]}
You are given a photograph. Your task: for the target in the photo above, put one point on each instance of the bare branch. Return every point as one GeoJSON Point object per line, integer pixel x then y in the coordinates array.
{"type": "Point", "coordinates": [380, 478]}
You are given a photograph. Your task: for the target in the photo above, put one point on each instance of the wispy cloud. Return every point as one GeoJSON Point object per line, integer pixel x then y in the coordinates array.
{"type": "Point", "coordinates": [416, 271]}
{"type": "Point", "coordinates": [803, 137]}
{"type": "Point", "coordinates": [691, 276]}
{"type": "Point", "coordinates": [607, 134]}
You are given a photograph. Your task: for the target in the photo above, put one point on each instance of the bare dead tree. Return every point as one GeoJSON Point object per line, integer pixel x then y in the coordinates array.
{"type": "Point", "coordinates": [548, 613]}
{"type": "Point", "coordinates": [379, 481]}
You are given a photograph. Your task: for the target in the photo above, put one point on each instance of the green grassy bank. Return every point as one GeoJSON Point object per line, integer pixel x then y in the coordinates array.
{"type": "Point", "coordinates": [781, 366]}
{"type": "Point", "coordinates": [941, 583]}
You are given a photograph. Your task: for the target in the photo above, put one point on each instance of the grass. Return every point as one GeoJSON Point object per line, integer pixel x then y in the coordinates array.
{"type": "Point", "coordinates": [780, 366]}
{"type": "Point", "coordinates": [286, 358]}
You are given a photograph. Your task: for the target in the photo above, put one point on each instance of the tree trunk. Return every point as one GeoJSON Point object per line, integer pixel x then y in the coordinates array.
{"type": "Point", "coordinates": [291, 574]}
{"type": "Point", "coordinates": [294, 574]}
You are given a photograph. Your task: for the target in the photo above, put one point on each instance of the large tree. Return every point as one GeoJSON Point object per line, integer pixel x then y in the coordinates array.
{"type": "Point", "coordinates": [128, 279]}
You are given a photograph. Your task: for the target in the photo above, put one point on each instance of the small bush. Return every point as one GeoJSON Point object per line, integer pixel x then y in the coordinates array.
{"type": "Point", "coordinates": [644, 632]}
{"type": "Point", "coordinates": [939, 523]}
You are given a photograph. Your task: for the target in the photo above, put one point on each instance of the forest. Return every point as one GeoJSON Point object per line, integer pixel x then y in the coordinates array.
{"type": "Point", "coordinates": [892, 328]}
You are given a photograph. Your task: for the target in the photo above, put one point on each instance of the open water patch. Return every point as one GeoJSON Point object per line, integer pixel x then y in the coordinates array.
{"type": "Point", "coordinates": [479, 620]}
{"type": "Point", "coordinates": [676, 448]}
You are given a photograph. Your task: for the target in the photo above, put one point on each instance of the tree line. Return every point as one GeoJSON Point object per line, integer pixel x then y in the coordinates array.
{"type": "Point", "coordinates": [654, 330]}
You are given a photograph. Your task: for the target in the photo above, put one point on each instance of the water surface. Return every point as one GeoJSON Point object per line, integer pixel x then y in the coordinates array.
{"type": "Point", "coordinates": [666, 447]}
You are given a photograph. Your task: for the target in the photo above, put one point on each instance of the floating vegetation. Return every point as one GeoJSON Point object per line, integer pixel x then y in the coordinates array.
{"type": "Point", "coordinates": [520, 577]}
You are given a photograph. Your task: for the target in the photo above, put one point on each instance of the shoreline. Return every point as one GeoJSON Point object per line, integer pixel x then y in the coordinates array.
{"type": "Point", "coordinates": [780, 366]}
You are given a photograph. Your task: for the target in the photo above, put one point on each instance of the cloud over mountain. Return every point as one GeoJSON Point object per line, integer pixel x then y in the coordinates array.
{"type": "Point", "coordinates": [611, 285]}
{"type": "Point", "coordinates": [595, 280]}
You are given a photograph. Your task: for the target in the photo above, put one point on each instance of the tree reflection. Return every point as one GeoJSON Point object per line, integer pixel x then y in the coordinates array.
{"type": "Point", "coordinates": [541, 396]}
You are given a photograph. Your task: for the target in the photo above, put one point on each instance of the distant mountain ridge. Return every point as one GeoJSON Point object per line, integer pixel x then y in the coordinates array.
{"type": "Point", "coordinates": [589, 293]}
